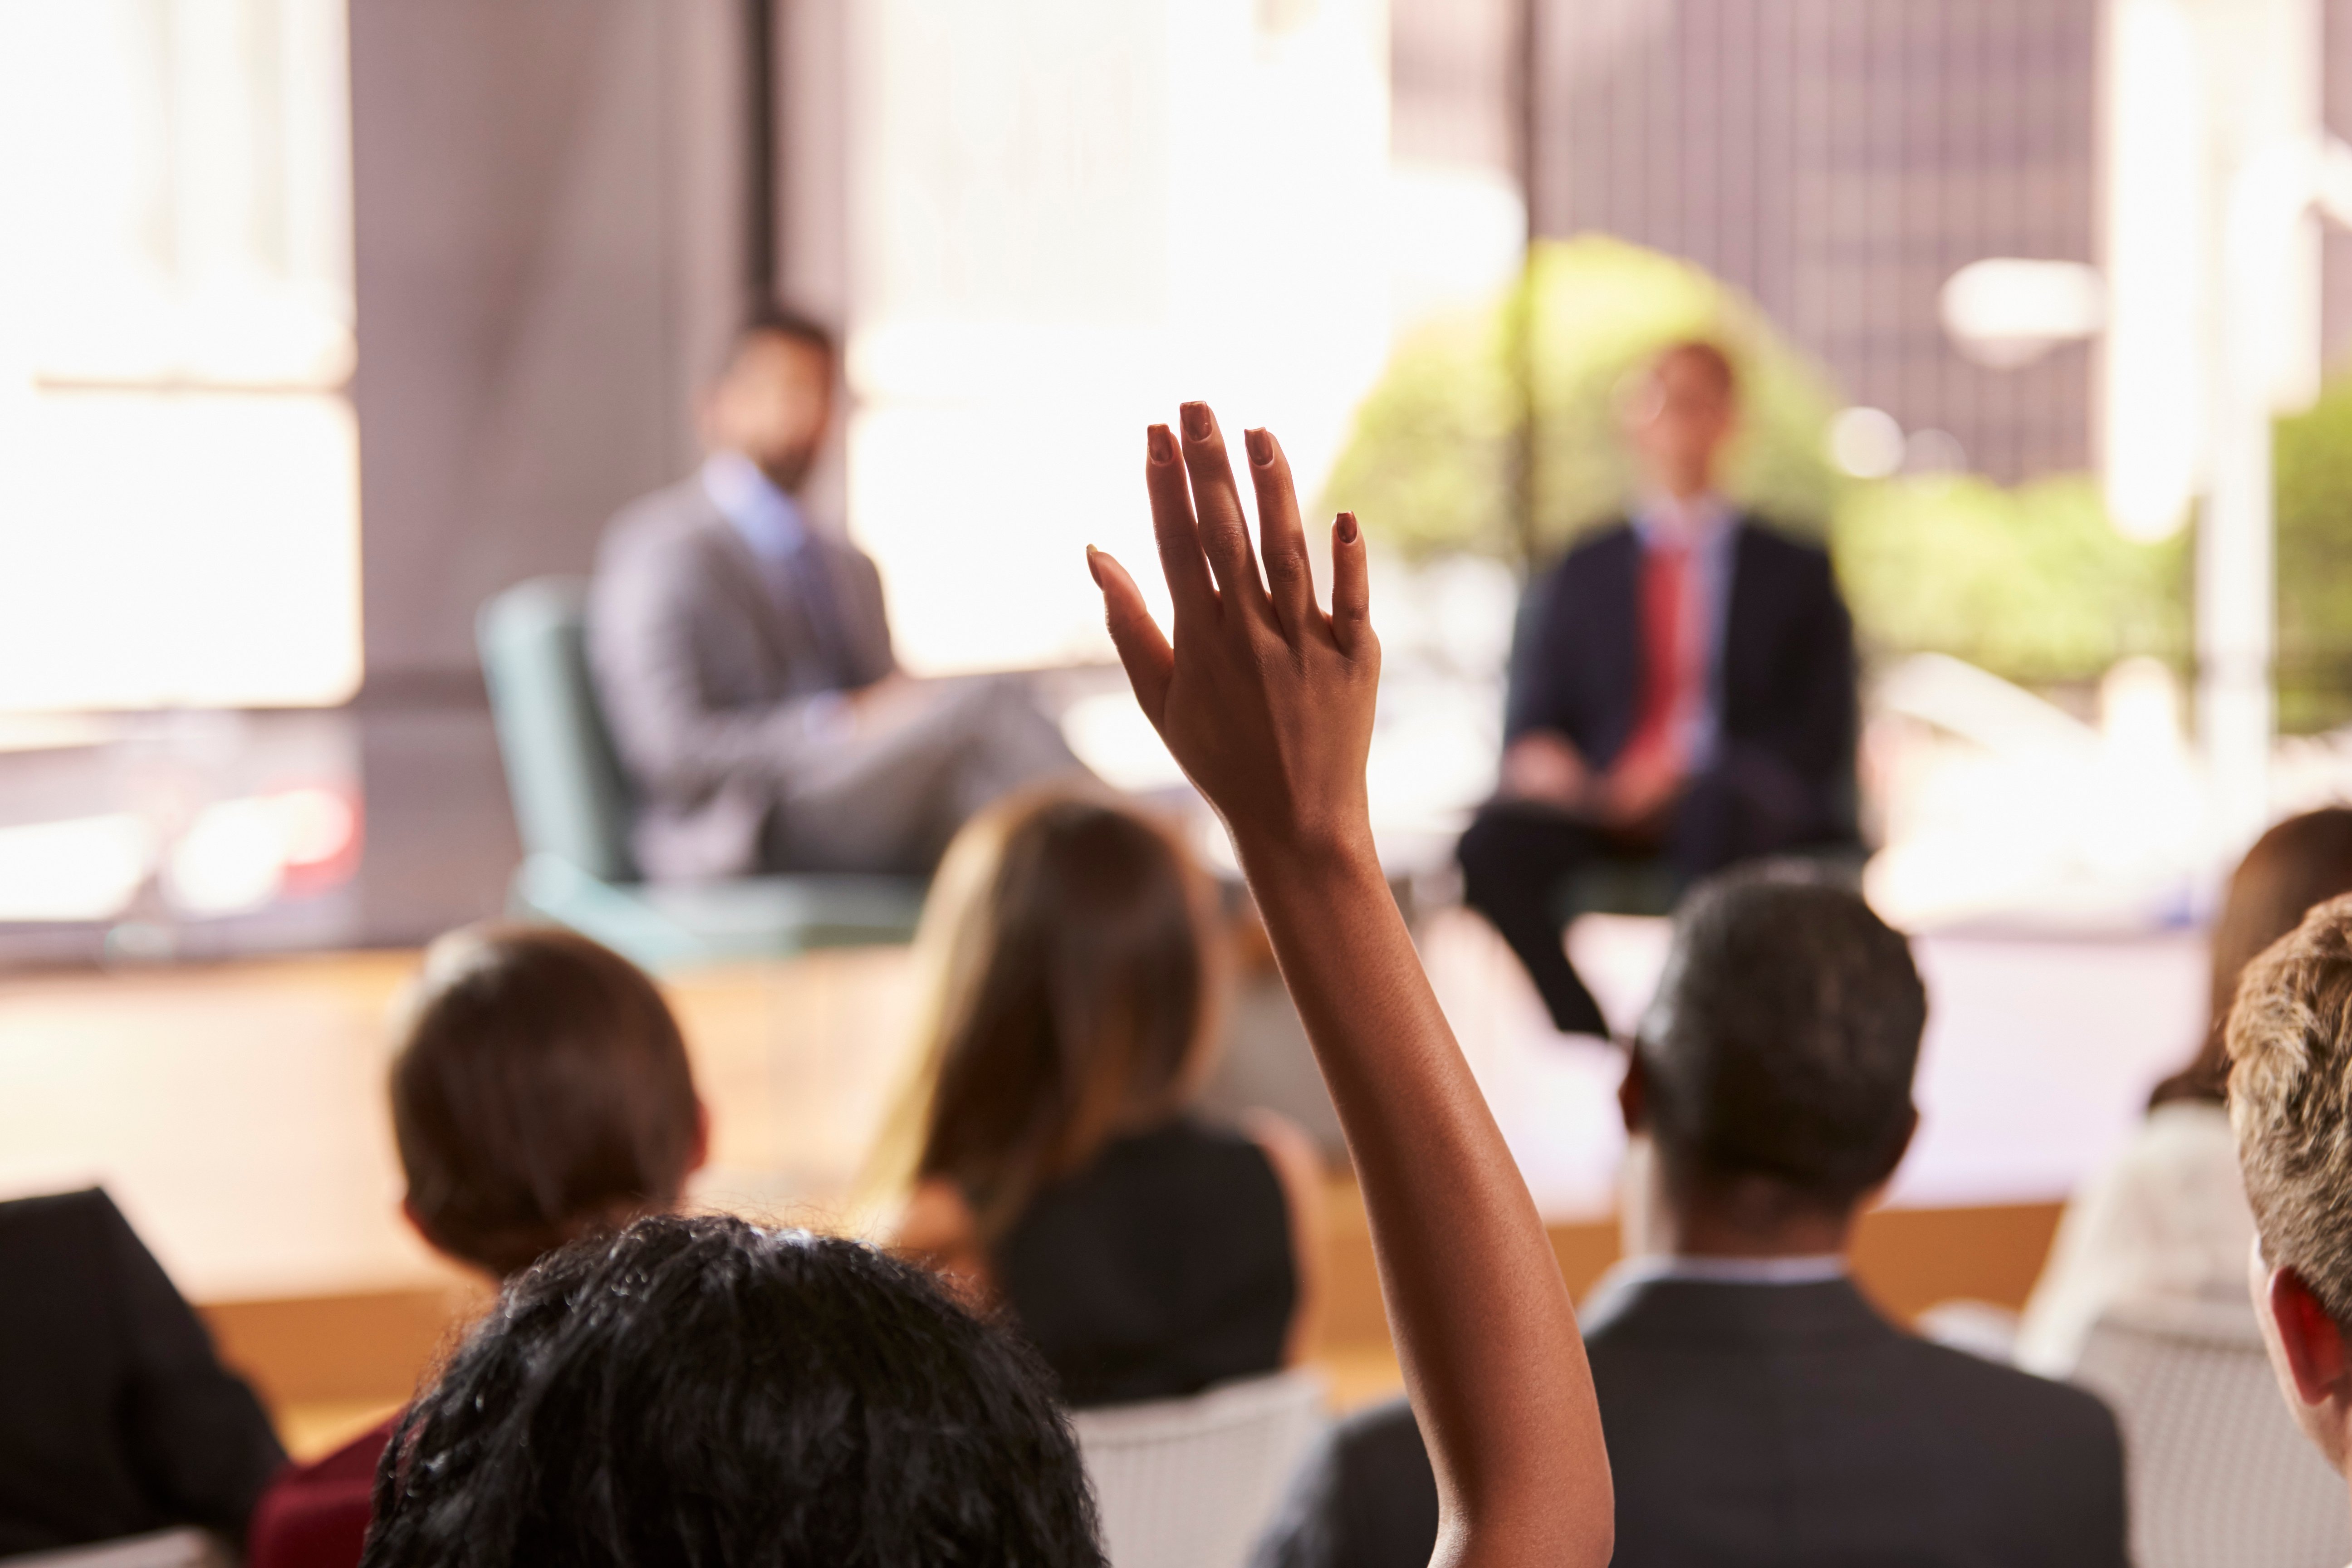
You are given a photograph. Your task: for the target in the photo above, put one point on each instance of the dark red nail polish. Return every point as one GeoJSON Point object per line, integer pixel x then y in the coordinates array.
{"type": "Point", "coordinates": [1347, 528]}
{"type": "Point", "coordinates": [1261, 448]}
{"type": "Point", "coordinates": [1196, 421]}
{"type": "Point", "coordinates": [1162, 444]}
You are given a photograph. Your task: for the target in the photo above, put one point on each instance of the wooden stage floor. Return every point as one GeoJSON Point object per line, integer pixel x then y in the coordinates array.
{"type": "Point", "coordinates": [236, 1114]}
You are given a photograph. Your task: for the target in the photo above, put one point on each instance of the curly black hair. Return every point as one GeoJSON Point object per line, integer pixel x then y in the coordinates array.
{"type": "Point", "coordinates": [700, 1391]}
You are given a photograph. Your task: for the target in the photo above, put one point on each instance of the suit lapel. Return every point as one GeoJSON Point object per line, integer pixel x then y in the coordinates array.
{"type": "Point", "coordinates": [783, 630]}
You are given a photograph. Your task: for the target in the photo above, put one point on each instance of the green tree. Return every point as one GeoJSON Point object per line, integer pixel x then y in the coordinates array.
{"type": "Point", "coordinates": [2313, 457]}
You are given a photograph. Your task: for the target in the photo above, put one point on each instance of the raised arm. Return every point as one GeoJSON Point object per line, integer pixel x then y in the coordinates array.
{"type": "Point", "coordinates": [1267, 703]}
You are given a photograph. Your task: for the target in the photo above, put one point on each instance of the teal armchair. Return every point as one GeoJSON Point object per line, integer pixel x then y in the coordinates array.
{"type": "Point", "coordinates": [572, 807]}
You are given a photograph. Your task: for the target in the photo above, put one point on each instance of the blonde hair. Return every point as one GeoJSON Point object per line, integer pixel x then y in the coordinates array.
{"type": "Point", "coordinates": [1071, 970]}
{"type": "Point", "coordinates": [2290, 1036]}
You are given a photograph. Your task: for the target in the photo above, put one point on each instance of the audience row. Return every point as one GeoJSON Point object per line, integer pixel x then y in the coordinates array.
{"type": "Point", "coordinates": [656, 1388]}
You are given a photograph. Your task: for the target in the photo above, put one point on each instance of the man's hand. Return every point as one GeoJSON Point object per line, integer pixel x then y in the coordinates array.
{"type": "Point", "coordinates": [1265, 701]}
{"type": "Point", "coordinates": [1544, 765]}
{"type": "Point", "coordinates": [1638, 791]}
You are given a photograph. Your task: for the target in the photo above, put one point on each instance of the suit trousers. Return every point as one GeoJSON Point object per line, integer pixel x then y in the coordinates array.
{"type": "Point", "coordinates": [894, 792]}
{"type": "Point", "coordinates": [1518, 857]}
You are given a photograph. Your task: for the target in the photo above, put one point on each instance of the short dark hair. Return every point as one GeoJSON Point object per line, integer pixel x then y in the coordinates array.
{"type": "Point", "coordinates": [1783, 1038]}
{"type": "Point", "coordinates": [777, 321]}
{"type": "Point", "coordinates": [702, 1391]}
{"type": "Point", "coordinates": [540, 1091]}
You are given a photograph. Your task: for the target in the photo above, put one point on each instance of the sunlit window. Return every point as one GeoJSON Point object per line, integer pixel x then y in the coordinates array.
{"type": "Point", "coordinates": [179, 511]}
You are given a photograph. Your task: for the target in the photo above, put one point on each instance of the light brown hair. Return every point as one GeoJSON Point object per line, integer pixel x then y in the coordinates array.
{"type": "Point", "coordinates": [2300, 862]}
{"type": "Point", "coordinates": [2290, 1101]}
{"type": "Point", "coordinates": [539, 1092]}
{"type": "Point", "coordinates": [1074, 967]}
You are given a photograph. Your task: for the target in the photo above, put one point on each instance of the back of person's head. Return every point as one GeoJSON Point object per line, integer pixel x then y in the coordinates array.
{"type": "Point", "coordinates": [2303, 861]}
{"type": "Point", "coordinates": [1781, 1047]}
{"type": "Point", "coordinates": [2290, 1041]}
{"type": "Point", "coordinates": [539, 1092]}
{"type": "Point", "coordinates": [1073, 969]}
{"type": "Point", "coordinates": [703, 1391]}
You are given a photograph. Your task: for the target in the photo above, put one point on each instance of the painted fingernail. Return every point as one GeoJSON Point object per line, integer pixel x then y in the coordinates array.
{"type": "Point", "coordinates": [1162, 444]}
{"type": "Point", "coordinates": [1261, 448]}
{"type": "Point", "coordinates": [1196, 421]}
{"type": "Point", "coordinates": [1346, 528]}
{"type": "Point", "coordinates": [1094, 569]}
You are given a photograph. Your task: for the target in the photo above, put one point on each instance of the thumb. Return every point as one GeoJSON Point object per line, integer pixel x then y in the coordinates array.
{"type": "Point", "coordinates": [1150, 663]}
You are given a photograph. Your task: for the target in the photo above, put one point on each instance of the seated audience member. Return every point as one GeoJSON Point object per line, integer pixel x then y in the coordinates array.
{"type": "Point", "coordinates": [2290, 1036]}
{"type": "Point", "coordinates": [1683, 685]}
{"type": "Point", "coordinates": [743, 660]}
{"type": "Point", "coordinates": [115, 1417]}
{"type": "Point", "coordinates": [702, 1391]}
{"type": "Point", "coordinates": [2167, 1217]}
{"type": "Point", "coordinates": [1055, 1168]}
{"type": "Point", "coordinates": [540, 1093]}
{"type": "Point", "coordinates": [1758, 1409]}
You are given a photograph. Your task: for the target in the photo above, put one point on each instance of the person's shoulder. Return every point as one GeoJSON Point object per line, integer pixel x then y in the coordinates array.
{"type": "Point", "coordinates": [2048, 1417]}
{"type": "Point", "coordinates": [662, 520]}
{"type": "Point", "coordinates": [52, 1219]}
{"type": "Point", "coordinates": [316, 1515]}
{"type": "Point", "coordinates": [1364, 1498]}
{"type": "Point", "coordinates": [1769, 540]}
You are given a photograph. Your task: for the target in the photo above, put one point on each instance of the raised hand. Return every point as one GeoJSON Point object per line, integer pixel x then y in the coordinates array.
{"type": "Point", "coordinates": [1265, 701]}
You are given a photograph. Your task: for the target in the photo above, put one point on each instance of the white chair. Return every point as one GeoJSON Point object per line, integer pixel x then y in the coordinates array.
{"type": "Point", "coordinates": [2218, 1474]}
{"type": "Point", "coordinates": [186, 1548]}
{"type": "Point", "coordinates": [1190, 1483]}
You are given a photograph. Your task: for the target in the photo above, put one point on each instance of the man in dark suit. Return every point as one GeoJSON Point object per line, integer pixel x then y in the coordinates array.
{"type": "Point", "coordinates": [1758, 1410]}
{"type": "Point", "coordinates": [742, 658]}
{"type": "Point", "coordinates": [1683, 686]}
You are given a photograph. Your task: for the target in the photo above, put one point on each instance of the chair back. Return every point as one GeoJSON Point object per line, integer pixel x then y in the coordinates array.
{"type": "Point", "coordinates": [570, 798]}
{"type": "Point", "coordinates": [1191, 1483]}
{"type": "Point", "coordinates": [183, 1548]}
{"type": "Point", "coordinates": [2217, 1471]}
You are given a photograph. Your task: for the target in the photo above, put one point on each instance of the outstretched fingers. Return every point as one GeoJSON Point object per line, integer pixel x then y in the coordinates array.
{"type": "Point", "coordinates": [1150, 663]}
{"type": "Point", "coordinates": [1282, 541]}
{"type": "Point", "coordinates": [1173, 527]}
{"type": "Point", "coordinates": [1224, 530]}
{"type": "Point", "coordinates": [1351, 588]}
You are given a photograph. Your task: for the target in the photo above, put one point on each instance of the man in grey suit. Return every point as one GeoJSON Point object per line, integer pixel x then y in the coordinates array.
{"type": "Point", "coordinates": [742, 658]}
{"type": "Point", "coordinates": [1756, 1408]}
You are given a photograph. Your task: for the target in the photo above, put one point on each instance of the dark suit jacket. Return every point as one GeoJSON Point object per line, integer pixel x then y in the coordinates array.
{"type": "Point", "coordinates": [1780, 1424]}
{"type": "Point", "coordinates": [705, 674]}
{"type": "Point", "coordinates": [115, 1418]}
{"type": "Point", "coordinates": [1785, 691]}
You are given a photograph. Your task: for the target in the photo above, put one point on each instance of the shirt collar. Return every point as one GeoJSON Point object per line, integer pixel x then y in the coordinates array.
{"type": "Point", "coordinates": [1810, 1270]}
{"type": "Point", "coordinates": [1698, 520]}
{"type": "Point", "coordinates": [769, 520]}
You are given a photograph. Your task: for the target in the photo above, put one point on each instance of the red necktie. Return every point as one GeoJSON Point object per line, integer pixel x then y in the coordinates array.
{"type": "Point", "coordinates": [1665, 647]}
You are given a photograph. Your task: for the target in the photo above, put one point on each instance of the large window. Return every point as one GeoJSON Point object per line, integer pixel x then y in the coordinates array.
{"type": "Point", "coordinates": [179, 514]}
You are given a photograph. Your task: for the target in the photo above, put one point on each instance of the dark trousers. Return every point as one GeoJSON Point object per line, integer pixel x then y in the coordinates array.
{"type": "Point", "coordinates": [1518, 856]}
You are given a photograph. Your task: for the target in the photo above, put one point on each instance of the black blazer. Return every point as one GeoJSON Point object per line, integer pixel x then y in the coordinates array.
{"type": "Point", "coordinates": [1780, 1424]}
{"type": "Point", "coordinates": [115, 1418]}
{"type": "Point", "coordinates": [1786, 684]}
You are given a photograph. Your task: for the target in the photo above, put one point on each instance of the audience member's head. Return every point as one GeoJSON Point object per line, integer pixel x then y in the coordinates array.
{"type": "Point", "coordinates": [1685, 408]}
{"type": "Point", "coordinates": [1772, 1073]}
{"type": "Point", "coordinates": [703, 1391]}
{"type": "Point", "coordinates": [1074, 962]}
{"type": "Point", "coordinates": [540, 1093]}
{"type": "Point", "coordinates": [2303, 861]}
{"type": "Point", "coordinates": [2290, 1040]}
{"type": "Point", "coordinates": [773, 400]}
